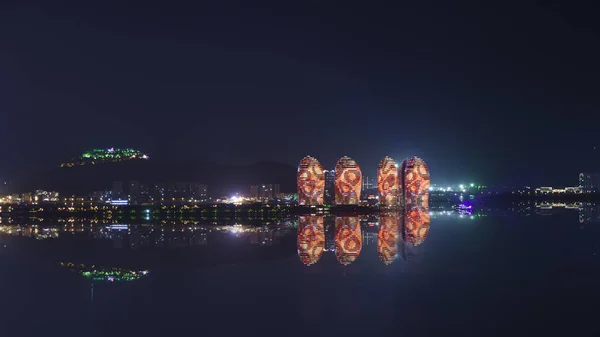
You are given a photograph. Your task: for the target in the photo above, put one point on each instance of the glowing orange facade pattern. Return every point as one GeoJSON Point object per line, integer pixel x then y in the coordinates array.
{"type": "Point", "coordinates": [348, 239]}
{"type": "Point", "coordinates": [416, 224]}
{"type": "Point", "coordinates": [387, 182]}
{"type": "Point", "coordinates": [348, 182]}
{"type": "Point", "coordinates": [387, 238]}
{"type": "Point", "coordinates": [311, 182]}
{"type": "Point", "coordinates": [311, 239]}
{"type": "Point", "coordinates": [416, 181]}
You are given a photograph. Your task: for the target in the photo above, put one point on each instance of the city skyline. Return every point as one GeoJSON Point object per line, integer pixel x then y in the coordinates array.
{"type": "Point", "coordinates": [241, 168]}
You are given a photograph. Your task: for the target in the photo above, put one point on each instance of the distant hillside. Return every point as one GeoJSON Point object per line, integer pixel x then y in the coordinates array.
{"type": "Point", "coordinates": [221, 179]}
{"type": "Point", "coordinates": [110, 155]}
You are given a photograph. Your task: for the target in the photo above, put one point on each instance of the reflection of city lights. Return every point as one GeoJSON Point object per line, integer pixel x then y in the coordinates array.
{"type": "Point", "coordinates": [416, 224]}
{"type": "Point", "coordinates": [348, 239]}
{"type": "Point", "coordinates": [105, 274]}
{"type": "Point", "coordinates": [387, 238]}
{"type": "Point", "coordinates": [311, 239]}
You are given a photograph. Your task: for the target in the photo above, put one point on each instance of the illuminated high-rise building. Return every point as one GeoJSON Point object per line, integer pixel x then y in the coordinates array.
{"type": "Point", "coordinates": [264, 191]}
{"type": "Point", "coordinates": [117, 190]}
{"type": "Point", "coordinates": [311, 239]}
{"type": "Point", "coordinates": [589, 182]}
{"type": "Point", "coordinates": [133, 192]}
{"type": "Point", "coordinates": [329, 198]}
{"type": "Point", "coordinates": [415, 181]}
{"type": "Point", "coordinates": [348, 182]}
{"type": "Point", "coordinates": [387, 182]}
{"type": "Point", "coordinates": [348, 239]}
{"type": "Point", "coordinates": [311, 182]}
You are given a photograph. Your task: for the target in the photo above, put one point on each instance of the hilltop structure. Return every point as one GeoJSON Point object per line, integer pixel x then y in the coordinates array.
{"type": "Point", "coordinates": [97, 156]}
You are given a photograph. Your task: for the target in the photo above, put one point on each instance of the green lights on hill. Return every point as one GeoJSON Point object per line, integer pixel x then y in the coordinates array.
{"type": "Point", "coordinates": [106, 274]}
{"type": "Point", "coordinates": [96, 156]}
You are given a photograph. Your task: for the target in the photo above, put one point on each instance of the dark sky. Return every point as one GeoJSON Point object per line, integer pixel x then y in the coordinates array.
{"type": "Point", "coordinates": [498, 94]}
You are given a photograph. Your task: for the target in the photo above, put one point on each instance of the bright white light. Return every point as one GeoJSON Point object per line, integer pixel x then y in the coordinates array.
{"type": "Point", "coordinates": [461, 186]}
{"type": "Point", "coordinates": [472, 184]}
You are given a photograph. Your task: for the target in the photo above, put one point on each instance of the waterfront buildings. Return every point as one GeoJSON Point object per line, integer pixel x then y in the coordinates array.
{"type": "Point", "coordinates": [348, 182]}
{"type": "Point", "coordinates": [265, 191]}
{"type": "Point", "coordinates": [329, 187]}
{"type": "Point", "coordinates": [387, 182]}
{"type": "Point", "coordinates": [416, 180]}
{"type": "Point", "coordinates": [588, 182]}
{"type": "Point", "coordinates": [135, 193]}
{"type": "Point", "coordinates": [310, 181]}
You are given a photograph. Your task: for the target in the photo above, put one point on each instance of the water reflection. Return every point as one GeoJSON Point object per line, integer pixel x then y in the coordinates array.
{"type": "Point", "coordinates": [416, 224]}
{"type": "Point", "coordinates": [311, 239]}
{"type": "Point", "coordinates": [235, 267]}
{"type": "Point", "coordinates": [114, 274]}
{"type": "Point", "coordinates": [348, 239]}
{"type": "Point", "coordinates": [154, 235]}
{"type": "Point", "coordinates": [216, 243]}
{"type": "Point", "coordinates": [387, 238]}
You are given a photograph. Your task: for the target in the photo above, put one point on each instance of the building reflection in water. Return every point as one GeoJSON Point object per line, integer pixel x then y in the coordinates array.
{"type": "Point", "coordinates": [416, 182]}
{"type": "Point", "coordinates": [416, 224]}
{"type": "Point", "coordinates": [311, 239]}
{"type": "Point", "coordinates": [415, 228]}
{"type": "Point", "coordinates": [387, 237]}
{"type": "Point", "coordinates": [113, 274]}
{"type": "Point", "coordinates": [348, 239]}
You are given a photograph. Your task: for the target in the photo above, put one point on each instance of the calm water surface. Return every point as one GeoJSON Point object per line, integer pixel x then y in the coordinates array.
{"type": "Point", "coordinates": [504, 273]}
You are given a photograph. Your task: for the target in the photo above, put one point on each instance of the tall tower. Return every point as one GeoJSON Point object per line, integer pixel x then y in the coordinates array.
{"type": "Point", "coordinates": [348, 182]}
{"type": "Point", "coordinates": [329, 187]}
{"type": "Point", "coordinates": [416, 181]}
{"type": "Point", "coordinates": [310, 181]}
{"type": "Point", "coordinates": [387, 182]}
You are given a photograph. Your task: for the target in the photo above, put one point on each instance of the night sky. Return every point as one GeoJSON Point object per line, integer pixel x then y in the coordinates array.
{"type": "Point", "coordinates": [503, 94]}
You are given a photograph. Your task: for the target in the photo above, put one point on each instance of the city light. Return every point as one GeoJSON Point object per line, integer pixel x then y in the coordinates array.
{"type": "Point", "coordinates": [106, 274]}
{"type": "Point", "coordinates": [387, 182]}
{"type": "Point", "coordinates": [96, 156]}
{"type": "Point", "coordinates": [310, 181]}
{"type": "Point", "coordinates": [348, 182]}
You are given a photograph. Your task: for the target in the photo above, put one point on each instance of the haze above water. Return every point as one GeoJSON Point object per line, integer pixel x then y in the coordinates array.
{"type": "Point", "coordinates": [512, 271]}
